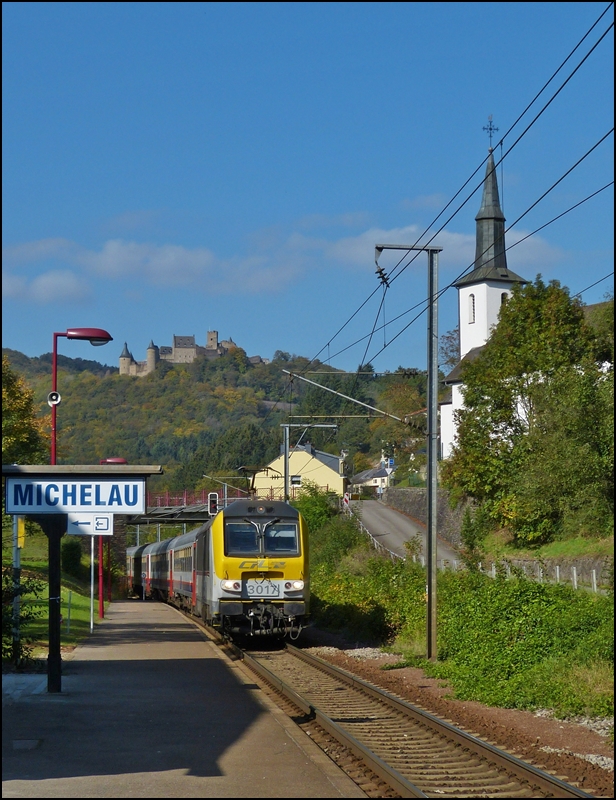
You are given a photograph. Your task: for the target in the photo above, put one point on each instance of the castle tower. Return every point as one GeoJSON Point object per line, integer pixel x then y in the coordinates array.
{"type": "Point", "coordinates": [212, 340]}
{"type": "Point", "coordinates": [482, 292]}
{"type": "Point", "coordinates": [152, 356]}
{"type": "Point", "coordinates": [126, 360]}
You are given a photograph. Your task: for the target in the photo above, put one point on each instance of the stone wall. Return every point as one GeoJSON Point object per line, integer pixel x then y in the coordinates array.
{"type": "Point", "coordinates": [414, 503]}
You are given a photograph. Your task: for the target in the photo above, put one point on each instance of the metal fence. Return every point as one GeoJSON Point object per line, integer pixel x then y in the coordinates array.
{"type": "Point", "coordinates": [533, 570]}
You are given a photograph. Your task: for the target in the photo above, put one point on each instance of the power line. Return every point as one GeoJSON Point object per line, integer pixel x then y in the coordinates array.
{"type": "Point", "coordinates": [507, 152]}
{"type": "Point", "coordinates": [393, 273]}
{"type": "Point", "coordinates": [604, 278]}
{"type": "Point", "coordinates": [552, 187]}
{"type": "Point", "coordinates": [452, 283]}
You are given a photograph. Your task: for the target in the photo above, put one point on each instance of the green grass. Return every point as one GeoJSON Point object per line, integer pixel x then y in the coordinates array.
{"type": "Point", "coordinates": [513, 643]}
{"type": "Point", "coordinates": [35, 551]}
{"type": "Point", "coordinates": [34, 563]}
{"type": "Point", "coordinates": [496, 546]}
{"type": "Point", "coordinates": [76, 620]}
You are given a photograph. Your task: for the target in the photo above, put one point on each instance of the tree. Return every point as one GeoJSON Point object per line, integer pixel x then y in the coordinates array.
{"type": "Point", "coordinates": [449, 348]}
{"type": "Point", "coordinates": [24, 439]}
{"type": "Point", "coordinates": [601, 319]}
{"type": "Point", "coordinates": [565, 480]}
{"type": "Point", "coordinates": [525, 436]}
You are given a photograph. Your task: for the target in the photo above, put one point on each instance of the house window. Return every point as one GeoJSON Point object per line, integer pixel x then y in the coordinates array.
{"type": "Point", "coordinates": [471, 308]}
{"type": "Point", "coordinates": [504, 297]}
{"type": "Point", "coordinates": [296, 480]}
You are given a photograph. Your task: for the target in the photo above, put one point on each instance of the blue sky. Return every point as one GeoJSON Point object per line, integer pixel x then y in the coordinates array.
{"type": "Point", "coordinates": [174, 168]}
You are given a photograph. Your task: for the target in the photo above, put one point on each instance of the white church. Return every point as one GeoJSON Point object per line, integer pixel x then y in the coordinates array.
{"type": "Point", "coordinates": [480, 296]}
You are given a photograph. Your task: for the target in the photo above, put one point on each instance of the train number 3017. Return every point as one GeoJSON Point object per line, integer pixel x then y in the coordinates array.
{"type": "Point", "coordinates": [262, 589]}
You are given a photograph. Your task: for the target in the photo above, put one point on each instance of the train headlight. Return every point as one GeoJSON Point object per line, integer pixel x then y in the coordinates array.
{"type": "Point", "coordinates": [294, 586]}
{"type": "Point", "coordinates": [230, 586]}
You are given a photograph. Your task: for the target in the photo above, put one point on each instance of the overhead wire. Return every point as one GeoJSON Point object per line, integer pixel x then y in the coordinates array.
{"type": "Point", "coordinates": [393, 273]}
{"type": "Point", "coordinates": [506, 153]}
{"type": "Point", "coordinates": [398, 269]}
{"type": "Point", "coordinates": [441, 291]}
{"type": "Point", "coordinates": [604, 278]}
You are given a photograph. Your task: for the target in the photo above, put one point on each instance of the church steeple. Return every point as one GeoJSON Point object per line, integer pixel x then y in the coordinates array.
{"type": "Point", "coordinates": [490, 240]}
{"type": "Point", "coordinates": [490, 258]}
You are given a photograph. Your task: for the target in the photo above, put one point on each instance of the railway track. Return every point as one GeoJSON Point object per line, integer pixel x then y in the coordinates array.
{"type": "Point", "coordinates": [415, 753]}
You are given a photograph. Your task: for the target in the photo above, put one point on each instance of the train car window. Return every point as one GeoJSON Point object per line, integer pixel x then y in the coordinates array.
{"type": "Point", "coordinates": [182, 560]}
{"type": "Point", "coordinates": [241, 539]}
{"type": "Point", "coordinates": [281, 537]}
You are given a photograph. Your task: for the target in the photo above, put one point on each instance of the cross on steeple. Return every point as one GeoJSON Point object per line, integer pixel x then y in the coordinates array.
{"type": "Point", "coordinates": [490, 128]}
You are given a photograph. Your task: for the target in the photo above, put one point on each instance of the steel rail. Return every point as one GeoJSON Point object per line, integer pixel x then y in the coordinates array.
{"type": "Point", "coordinates": [398, 782]}
{"type": "Point", "coordinates": [522, 770]}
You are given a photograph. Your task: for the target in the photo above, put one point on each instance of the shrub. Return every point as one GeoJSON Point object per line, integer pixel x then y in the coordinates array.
{"type": "Point", "coordinates": [520, 644]}
{"type": "Point", "coordinates": [316, 506]}
{"type": "Point", "coordinates": [18, 652]}
{"type": "Point", "coordinates": [71, 556]}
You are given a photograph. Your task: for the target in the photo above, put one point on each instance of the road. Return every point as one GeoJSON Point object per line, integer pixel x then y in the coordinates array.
{"type": "Point", "coordinates": [392, 529]}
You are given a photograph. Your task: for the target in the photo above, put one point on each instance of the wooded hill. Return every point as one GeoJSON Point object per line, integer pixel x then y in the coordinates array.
{"type": "Point", "coordinates": [215, 416]}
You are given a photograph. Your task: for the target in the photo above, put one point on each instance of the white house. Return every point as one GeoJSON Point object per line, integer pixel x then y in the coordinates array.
{"type": "Point", "coordinates": [377, 479]}
{"type": "Point", "coordinates": [480, 296]}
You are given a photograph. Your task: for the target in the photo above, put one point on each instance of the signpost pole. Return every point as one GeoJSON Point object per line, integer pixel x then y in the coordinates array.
{"type": "Point", "coordinates": [101, 583]}
{"type": "Point", "coordinates": [91, 583]}
{"type": "Point", "coordinates": [109, 569]}
{"type": "Point", "coordinates": [16, 583]}
{"type": "Point", "coordinates": [54, 526]}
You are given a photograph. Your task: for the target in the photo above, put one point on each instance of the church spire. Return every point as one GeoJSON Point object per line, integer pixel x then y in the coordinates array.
{"type": "Point", "coordinates": [490, 259]}
{"type": "Point", "coordinates": [490, 239]}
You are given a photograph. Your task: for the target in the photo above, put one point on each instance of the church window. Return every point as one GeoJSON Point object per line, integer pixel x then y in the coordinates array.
{"type": "Point", "coordinates": [504, 297]}
{"type": "Point", "coordinates": [471, 308]}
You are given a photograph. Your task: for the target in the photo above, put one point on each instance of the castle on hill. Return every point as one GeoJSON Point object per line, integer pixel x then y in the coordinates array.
{"type": "Point", "coordinates": [183, 351]}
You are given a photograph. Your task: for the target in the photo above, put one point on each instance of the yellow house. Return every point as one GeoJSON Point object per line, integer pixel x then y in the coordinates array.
{"type": "Point", "coordinates": [305, 465]}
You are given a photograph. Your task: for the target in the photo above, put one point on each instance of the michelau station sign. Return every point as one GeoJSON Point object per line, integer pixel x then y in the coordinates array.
{"type": "Point", "coordinates": [50, 495]}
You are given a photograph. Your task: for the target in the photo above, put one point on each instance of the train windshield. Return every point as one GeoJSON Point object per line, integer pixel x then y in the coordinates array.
{"type": "Point", "coordinates": [281, 537]}
{"type": "Point", "coordinates": [273, 538]}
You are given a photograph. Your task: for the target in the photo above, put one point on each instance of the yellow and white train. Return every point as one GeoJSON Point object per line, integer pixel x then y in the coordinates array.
{"type": "Point", "coordinates": [243, 571]}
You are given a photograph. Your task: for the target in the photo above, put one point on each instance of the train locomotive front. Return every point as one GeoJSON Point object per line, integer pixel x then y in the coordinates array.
{"type": "Point", "coordinates": [245, 571]}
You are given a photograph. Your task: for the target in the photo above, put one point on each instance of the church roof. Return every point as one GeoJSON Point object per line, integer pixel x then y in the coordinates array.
{"type": "Point", "coordinates": [484, 274]}
{"type": "Point", "coordinates": [455, 376]}
{"type": "Point", "coordinates": [490, 258]}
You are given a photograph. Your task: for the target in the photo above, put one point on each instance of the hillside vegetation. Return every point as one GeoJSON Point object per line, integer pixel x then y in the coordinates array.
{"type": "Point", "coordinates": [535, 445]}
{"type": "Point", "coordinates": [533, 461]}
{"type": "Point", "coordinates": [215, 416]}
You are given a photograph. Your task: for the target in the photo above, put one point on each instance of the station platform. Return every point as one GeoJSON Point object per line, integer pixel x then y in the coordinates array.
{"type": "Point", "coordinates": [150, 708]}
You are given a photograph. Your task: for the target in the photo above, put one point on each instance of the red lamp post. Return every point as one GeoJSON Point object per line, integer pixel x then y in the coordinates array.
{"type": "Point", "coordinates": [96, 337]}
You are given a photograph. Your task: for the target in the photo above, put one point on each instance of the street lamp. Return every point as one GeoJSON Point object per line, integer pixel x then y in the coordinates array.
{"type": "Point", "coordinates": [96, 337]}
